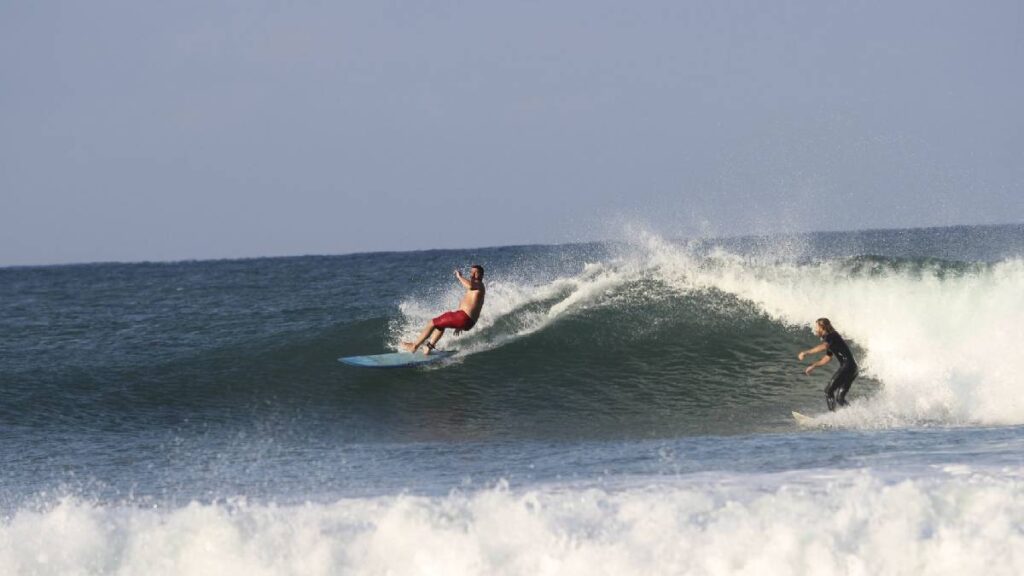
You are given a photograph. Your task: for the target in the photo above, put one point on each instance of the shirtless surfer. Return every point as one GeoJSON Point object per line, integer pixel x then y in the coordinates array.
{"type": "Point", "coordinates": [462, 319]}
{"type": "Point", "coordinates": [833, 345]}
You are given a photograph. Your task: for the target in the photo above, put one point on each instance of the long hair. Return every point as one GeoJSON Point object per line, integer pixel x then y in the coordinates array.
{"type": "Point", "coordinates": [826, 325]}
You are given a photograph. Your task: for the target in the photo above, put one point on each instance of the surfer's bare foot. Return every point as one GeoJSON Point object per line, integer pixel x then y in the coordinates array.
{"type": "Point", "coordinates": [409, 346]}
{"type": "Point", "coordinates": [427, 349]}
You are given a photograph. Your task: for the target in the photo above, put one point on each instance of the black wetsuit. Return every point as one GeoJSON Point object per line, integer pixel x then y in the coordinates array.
{"type": "Point", "coordinates": [839, 385]}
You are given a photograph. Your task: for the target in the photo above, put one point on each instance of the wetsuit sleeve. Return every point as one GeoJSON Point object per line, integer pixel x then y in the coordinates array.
{"type": "Point", "coordinates": [829, 340]}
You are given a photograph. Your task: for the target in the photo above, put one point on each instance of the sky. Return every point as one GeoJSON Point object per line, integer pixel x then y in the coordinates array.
{"type": "Point", "coordinates": [141, 130]}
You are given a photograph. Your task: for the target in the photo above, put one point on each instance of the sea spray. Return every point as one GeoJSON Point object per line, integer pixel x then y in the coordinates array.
{"type": "Point", "coordinates": [941, 337]}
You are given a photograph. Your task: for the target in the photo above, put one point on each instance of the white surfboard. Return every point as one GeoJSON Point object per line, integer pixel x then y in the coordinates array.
{"type": "Point", "coordinates": [805, 420]}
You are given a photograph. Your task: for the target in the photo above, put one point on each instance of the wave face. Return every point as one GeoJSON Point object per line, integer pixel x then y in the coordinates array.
{"type": "Point", "coordinates": [620, 408]}
{"type": "Point", "coordinates": [954, 521]}
{"type": "Point", "coordinates": [636, 339]}
{"type": "Point", "coordinates": [708, 333]}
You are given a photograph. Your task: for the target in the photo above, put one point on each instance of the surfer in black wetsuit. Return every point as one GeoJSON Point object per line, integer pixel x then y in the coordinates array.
{"type": "Point", "coordinates": [833, 345]}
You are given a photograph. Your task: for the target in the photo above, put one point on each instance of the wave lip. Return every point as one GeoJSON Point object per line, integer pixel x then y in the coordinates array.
{"type": "Point", "coordinates": [941, 337]}
{"type": "Point", "coordinates": [943, 340]}
{"type": "Point", "coordinates": [952, 521]}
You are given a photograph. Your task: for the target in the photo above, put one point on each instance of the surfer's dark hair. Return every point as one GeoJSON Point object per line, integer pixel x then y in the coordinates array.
{"type": "Point", "coordinates": [478, 267]}
{"type": "Point", "coordinates": [826, 325]}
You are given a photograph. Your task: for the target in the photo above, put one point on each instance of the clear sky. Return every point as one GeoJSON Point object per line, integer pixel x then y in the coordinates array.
{"type": "Point", "coordinates": [142, 130]}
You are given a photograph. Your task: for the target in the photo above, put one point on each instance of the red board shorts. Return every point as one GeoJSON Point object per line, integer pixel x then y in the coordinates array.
{"type": "Point", "coordinates": [456, 319]}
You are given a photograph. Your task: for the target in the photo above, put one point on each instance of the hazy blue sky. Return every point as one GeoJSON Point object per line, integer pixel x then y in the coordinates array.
{"type": "Point", "coordinates": [144, 130]}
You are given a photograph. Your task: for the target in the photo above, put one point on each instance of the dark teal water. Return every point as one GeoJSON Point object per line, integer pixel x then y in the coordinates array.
{"type": "Point", "coordinates": [222, 375]}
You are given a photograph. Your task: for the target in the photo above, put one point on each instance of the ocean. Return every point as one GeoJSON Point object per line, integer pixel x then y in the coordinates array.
{"type": "Point", "coordinates": [620, 408]}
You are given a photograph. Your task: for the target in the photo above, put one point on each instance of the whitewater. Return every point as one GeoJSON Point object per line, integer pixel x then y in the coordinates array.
{"type": "Point", "coordinates": [941, 337]}
{"type": "Point", "coordinates": [620, 408]}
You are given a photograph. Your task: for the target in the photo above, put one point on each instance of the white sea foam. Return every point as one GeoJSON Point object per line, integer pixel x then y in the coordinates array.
{"type": "Point", "coordinates": [818, 522]}
{"type": "Point", "coordinates": [946, 348]}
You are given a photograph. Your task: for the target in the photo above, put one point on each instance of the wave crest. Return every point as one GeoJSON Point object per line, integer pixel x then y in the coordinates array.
{"type": "Point", "coordinates": [942, 337]}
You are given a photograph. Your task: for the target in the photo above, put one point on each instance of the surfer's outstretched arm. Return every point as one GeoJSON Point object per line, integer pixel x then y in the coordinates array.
{"type": "Point", "coordinates": [821, 362]}
{"type": "Point", "coordinates": [462, 280]}
{"type": "Point", "coordinates": [819, 348]}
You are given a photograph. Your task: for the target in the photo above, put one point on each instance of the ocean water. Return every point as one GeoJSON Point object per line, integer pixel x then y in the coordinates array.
{"type": "Point", "coordinates": [620, 408]}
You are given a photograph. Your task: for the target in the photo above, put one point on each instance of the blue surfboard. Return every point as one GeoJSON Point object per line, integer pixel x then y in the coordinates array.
{"type": "Point", "coordinates": [396, 359]}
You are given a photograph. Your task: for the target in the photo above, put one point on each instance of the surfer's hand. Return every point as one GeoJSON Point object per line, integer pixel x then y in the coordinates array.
{"type": "Point", "coordinates": [801, 355]}
{"type": "Point", "coordinates": [808, 370]}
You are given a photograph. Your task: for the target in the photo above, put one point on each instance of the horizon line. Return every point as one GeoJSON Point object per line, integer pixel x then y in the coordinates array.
{"type": "Point", "coordinates": [492, 247]}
